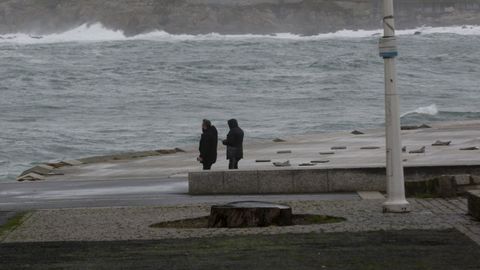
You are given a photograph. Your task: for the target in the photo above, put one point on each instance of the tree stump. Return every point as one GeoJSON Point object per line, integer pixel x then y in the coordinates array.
{"type": "Point", "coordinates": [249, 214]}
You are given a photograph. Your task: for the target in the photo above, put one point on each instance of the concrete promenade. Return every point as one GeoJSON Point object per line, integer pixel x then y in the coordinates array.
{"type": "Point", "coordinates": [348, 162]}
{"type": "Point", "coordinates": [359, 151]}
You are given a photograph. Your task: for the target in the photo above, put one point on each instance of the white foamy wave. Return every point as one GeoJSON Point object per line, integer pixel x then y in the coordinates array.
{"type": "Point", "coordinates": [95, 32]}
{"type": "Point", "coordinates": [98, 33]}
{"type": "Point", "coordinates": [430, 110]}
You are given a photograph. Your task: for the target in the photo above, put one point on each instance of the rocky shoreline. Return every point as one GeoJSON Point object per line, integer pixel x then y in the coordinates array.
{"type": "Point", "coordinates": [304, 17]}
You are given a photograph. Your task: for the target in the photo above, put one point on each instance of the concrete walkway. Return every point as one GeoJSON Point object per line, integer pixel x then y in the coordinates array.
{"type": "Point", "coordinates": [117, 193]}
{"type": "Point", "coordinates": [132, 223]}
{"type": "Point", "coordinates": [361, 151]}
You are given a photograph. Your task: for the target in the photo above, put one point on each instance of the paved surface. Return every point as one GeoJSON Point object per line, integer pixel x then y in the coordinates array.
{"type": "Point", "coordinates": [303, 149]}
{"type": "Point", "coordinates": [395, 250]}
{"type": "Point", "coordinates": [132, 223]}
{"type": "Point", "coordinates": [137, 192]}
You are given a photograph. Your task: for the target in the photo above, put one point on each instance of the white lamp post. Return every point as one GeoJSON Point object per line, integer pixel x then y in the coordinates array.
{"type": "Point", "coordinates": [396, 201]}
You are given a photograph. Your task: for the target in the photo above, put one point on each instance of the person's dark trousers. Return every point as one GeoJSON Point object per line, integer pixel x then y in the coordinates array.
{"type": "Point", "coordinates": [207, 166]}
{"type": "Point", "coordinates": [233, 164]}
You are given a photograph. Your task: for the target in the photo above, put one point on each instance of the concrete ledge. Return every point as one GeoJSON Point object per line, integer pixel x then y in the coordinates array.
{"type": "Point", "coordinates": [310, 180]}
{"type": "Point", "coordinates": [474, 203]}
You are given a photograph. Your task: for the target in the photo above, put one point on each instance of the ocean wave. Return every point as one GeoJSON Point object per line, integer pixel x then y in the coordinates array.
{"type": "Point", "coordinates": [430, 114]}
{"type": "Point", "coordinates": [429, 110]}
{"type": "Point", "coordinates": [98, 33]}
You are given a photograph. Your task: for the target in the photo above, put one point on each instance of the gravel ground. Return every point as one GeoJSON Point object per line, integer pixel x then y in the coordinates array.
{"type": "Point", "coordinates": [132, 223]}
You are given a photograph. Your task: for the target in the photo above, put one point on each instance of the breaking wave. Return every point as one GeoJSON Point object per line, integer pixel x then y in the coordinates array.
{"type": "Point", "coordinates": [431, 114]}
{"type": "Point", "coordinates": [98, 33]}
{"type": "Point", "coordinates": [429, 110]}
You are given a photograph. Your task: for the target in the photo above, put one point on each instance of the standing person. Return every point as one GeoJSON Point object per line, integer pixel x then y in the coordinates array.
{"type": "Point", "coordinates": [234, 143]}
{"type": "Point", "coordinates": [208, 145]}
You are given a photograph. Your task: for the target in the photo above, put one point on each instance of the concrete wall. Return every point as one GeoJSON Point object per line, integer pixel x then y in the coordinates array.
{"type": "Point", "coordinates": [309, 180]}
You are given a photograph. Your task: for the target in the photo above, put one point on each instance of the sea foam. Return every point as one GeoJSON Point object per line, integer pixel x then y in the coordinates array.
{"type": "Point", "coordinates": [98, 33]}
{"type": "Point", "coordinates": [428, 110]}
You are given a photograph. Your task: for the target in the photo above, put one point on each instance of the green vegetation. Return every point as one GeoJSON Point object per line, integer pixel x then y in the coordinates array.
{"type": "Point", "coordinates": [318, 219]}
{"type": "Point", "coordinates": [12, 223]}
{"type": "Point", "coordinates": [393, 250]}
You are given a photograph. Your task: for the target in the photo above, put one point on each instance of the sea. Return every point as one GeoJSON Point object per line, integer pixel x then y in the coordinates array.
{"type": "Point", "coordinates": [93, 91]}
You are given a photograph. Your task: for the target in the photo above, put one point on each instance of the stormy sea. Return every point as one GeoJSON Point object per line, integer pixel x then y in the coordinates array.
{"type": "Point", "coordinates": [92, 91]}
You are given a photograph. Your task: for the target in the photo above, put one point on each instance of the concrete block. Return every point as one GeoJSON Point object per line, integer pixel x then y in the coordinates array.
{"type": "Point", "coordinates": [462, 179]}
{"type": "Point", "coordinates": [475, 179]}
{"type": "Point", "coordinates": [30, 177]}
{"type": "Point", "coordinates": [275, 181]}
{"type": "Point", "coordinates": [353, 180]}
{"type": "Point", "coordinates": [310, 181]}
{"type": "Point", "coordinates": [206, 183]}
{"type": "Point", "coordinates": [240, 182]}
{"type": "Point", "coordinates": [474, 203]}
{"type": "Point", "coordinates": [72, 162]}
{"type": "Point", "coordinates": [371, 195]}
{"type": "Point", "coordinates": [446, 186]}
{"type": "Point", "coordinates": [38, 170]}
{"type": "Point", "coordinates": [45, 166]}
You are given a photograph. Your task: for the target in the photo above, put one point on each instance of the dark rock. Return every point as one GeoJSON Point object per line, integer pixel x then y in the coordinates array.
{"type": "Point", "coordinates": [418, 151]}
{"type": "Point", "coordinates": [407, 127]}
{"type": "Point", "coordinates": [284, 152]}
{"type": "Point", "coordinates": [338, 148]}
{"type": "Point", "coordinates": [417, 33]}
{"type": "Point", "coordinates": [469, 148]}
{"type": "Point", "coordinates": [441, 143]}
{"type": "Point", "coordinates": [327, 153]}
{"type": "Point", "coordinates": [404, 149]}
{"type": "Point", "coordinates": [262, 160]}
{"type": "Point", "coordinates": [249, 214]}
{"type": "Point", "coordinates": [320, 161]}
{"type": "Point", "coordinates": [278, 140]}
{"type": "Point", "coordinates": [356, 132]}
{"type": "Point", "coordinates": [282, 164]}
{"type": "Point", "coordinates": [369, 147]}
{"type": "Point", "coordinates": [306, 164]}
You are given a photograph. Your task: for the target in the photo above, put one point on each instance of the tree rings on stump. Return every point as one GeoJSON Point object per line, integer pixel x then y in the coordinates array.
{"type": "Point", "coordinates": [249, 214]}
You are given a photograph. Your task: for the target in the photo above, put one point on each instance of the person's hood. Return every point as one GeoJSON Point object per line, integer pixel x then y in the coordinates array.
{"type": "Point", "coordinates": [232, 123]}
{"type": "Point", "coordinates": [209, 129]}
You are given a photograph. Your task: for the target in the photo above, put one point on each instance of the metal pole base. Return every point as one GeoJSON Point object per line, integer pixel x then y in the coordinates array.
{"type": "Point", "coordinates": [396, 207]}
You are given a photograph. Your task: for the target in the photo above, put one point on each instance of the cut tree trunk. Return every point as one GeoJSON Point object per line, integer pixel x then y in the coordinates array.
{"type": "Point", "coordinates": [249, 214]}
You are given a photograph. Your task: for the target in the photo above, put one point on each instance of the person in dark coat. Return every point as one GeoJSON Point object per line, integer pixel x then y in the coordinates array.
{"type": "Point", "coordinates": [208, 145]}
{"type": "Point", "coordinates": [234, 143]}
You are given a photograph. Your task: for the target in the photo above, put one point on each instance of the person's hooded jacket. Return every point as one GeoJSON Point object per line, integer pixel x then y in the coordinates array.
{"type": "Point", "coordinates": [208, 145]}
{"type": "Point", "coordinates": [234, 141]}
